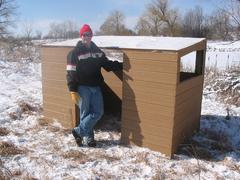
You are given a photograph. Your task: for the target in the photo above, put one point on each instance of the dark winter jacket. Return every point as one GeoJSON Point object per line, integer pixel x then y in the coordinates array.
{"type": "Point", "coordinates": [84, 66]}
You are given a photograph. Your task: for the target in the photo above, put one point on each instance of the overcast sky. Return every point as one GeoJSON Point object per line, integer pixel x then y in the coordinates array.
{"type": "Point", "coordinates": [40, 13]}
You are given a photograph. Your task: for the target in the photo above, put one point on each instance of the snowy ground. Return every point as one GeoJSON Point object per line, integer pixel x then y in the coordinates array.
{"type": "Point", "coordinates": [32, 149]}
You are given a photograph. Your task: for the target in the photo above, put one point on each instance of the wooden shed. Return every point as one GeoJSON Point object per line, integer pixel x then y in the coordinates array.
{"type": "Point", "coordinates": [161, 102]}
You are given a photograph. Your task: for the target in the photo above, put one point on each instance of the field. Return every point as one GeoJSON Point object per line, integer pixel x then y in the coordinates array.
{"type": "Point", "coordinates": [30, 148]}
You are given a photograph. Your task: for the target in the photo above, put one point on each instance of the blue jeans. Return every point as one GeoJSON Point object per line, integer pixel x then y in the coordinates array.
{"type": "Point", "coordinates": [91, 109]}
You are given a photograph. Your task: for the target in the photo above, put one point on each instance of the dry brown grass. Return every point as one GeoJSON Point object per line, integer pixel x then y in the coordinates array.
{"type": "Point", "coordinates": [4, 131]}
{"type": "Point", "coordinates": [88, 157]}
{"type": "Point", "coordinates": [77, 156]}
{"type": "Point", "coordinates": [4, 172]}
{"type": "Point", "coordinates": [28, 108]}
{"type": "Point", "coordinates": [141, 157]}
{"type": "Point", "coordinates": [158, 176]}
{"type": "Point", "coordinates": [8, 149]}
{"type": "Point", "coordinates": [13, 115]}
{"type": "Point", "coordinates": [24, 108]}
{"type": "Point", "coordinates": [54, 128]}
{"type": "Point", "coordinates": [104, 175]}
{"type": "Point", "coordinates": [107, 157]}
{"type": "Point", "coordinates": [42, 122]}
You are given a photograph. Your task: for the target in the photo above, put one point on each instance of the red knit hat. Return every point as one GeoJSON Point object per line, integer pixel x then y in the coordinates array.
{"type": "Point", "coordinates": [85, 28]}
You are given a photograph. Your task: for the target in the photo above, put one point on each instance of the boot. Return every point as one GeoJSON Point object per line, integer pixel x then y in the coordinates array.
{"type": "Point", "coordinates": [78, 138]}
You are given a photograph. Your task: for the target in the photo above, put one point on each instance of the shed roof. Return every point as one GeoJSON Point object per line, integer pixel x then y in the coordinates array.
{"type": "Point", "coordinates": [136, 42]}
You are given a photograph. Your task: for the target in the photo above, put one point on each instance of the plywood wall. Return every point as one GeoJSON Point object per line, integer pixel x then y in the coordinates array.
{"type": "Point", "coordinates": [149, 88]}
{"type": "Point", "coordinates": [57, 104]}
{"type": "Point", "coordinates": [188, 109]}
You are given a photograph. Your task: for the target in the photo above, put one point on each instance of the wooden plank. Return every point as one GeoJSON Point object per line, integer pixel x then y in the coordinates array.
{"type": "Point", "coordinates": [56, 60]}
{"type": "Point", "coordinates": [147, 127]}
{"type": "Point", "coordinates": [57, 107]}
{"type": "Point", "coordinates": [189, 84]}
{"type": "Point", "coordinates": [150, 87]}
{"type": "Point", "coordinates": [150, 55]}
{"type": "Point", "coordinates": [160, 99]}
{"type": "Point", "coordinates": [59, 84]}
{"type": "Point", "coordinates": [57, 100]}
{"type": "Point", "coordinates": [141, 137]}
{"type": "Point", "coordinates": [56, 92]}
{"type": "Point", "coordinates": [196, 47]}
{"type": "Point", "coordinates": [139, 106]}
{"type": "Point", "coordinates": [187, 95]}
{"type": "Point", "coordinates": [186, 119]}
{"type": "Point", "coordinates": [151, 65]}
{"type": "Point", "coordinates": [53, 115]}
{"type": "Point", "coordinates": [54, 66]}
{"type": "Point", "coordinates": [146, 116]}
{"type": "Point", "coordinates": [64, 119]}
{"type": "Point", "coordinates": [166, 78]}
{"type": "Point", "coordinates": [56, 75]}
{"type": "Point", "coordinates": [55, 54]}
{"type": "Point", "coordinates": [187, 105]}
{"type": "Point", "coordinates": [52, 71]}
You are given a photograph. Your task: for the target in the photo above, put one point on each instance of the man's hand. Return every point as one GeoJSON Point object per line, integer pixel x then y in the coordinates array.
{"type": "Point", "coordinates": [75, 97]}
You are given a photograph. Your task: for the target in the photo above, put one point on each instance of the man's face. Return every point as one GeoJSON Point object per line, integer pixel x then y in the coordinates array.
{"type": "Point", "coordinates": [86, 38]}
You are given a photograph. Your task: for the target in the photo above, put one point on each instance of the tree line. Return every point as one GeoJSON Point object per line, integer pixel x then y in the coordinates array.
{"type": "Point", "coordinates": [158, 19]}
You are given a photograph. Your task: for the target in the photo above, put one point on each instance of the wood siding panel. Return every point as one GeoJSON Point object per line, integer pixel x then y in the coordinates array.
{"type": "Point", "coordinates": [165, 78]}
{"type": "Point", "coordinates": [56, 92]}
{"type": "Point", "coordinates": [55, 54]}
{"type": "Point", "coordinates": [64, 119]}
{"type": "Point", "coordinates": [54, 74]}
{"type": "Point", "coordinates": [144, 136]}
{"type": "Point", "coordinates": [58, 100]}
{"type": "Point", "coordinates": [188, 95]}
{"type": "Point", "coordinates": [57, 107]}
{"type": "Point", "coordinates": [189, 84]}
{"type": "Point", "coordinates": [152, 66]}
{"type": "Point", "coordinates": [151, 55]}
{"type": "Point", "coordinates": [143, 117]}
{"type": "Point", "coordinates": [139, 106]}
{"type": "Point", "coordinates": [161, 100]}
{"type": "Point", "coordinates": [196, 47]}
{"type": "Point", "coordinates": [58, 84]}
{"type": "Point", "coordinates": [148, 127]}
{"type": "Point", "coordinates": [150, 87]}
{"type": "Point", "coordinates": [54, 66]}
{"type": "Point", "coordinates": [188, 110]}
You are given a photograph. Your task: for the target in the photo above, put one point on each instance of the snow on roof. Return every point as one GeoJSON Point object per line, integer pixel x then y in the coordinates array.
{"type": "Point", "coordinates": [136, 42]}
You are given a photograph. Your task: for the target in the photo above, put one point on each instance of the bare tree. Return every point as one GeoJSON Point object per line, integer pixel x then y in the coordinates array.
{"type": "Point", "coordinates": [220, 25]}
{"type": "Point", "coordinates": [160, 18]}
{"type": "Point", "coordinates": [232, 8]}
{"type": "Point", "coordinates": [7, 10]}
{"type": "Point", "coordinates": [114, 25]}
{"type": "Point", "coordinates": [143, 26]}
{"type": "Point", "coordinates": [194, 23]}
{"type": "Point", "coordinates": [38, 34]}
{"type": "Point", "coordinates": [64, 30]}
{"type": "Point", "coordinates": [27, 31]}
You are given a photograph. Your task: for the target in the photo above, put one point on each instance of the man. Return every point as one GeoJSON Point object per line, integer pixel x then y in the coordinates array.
{"type": "Point", "coordinates": [84, 79]}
